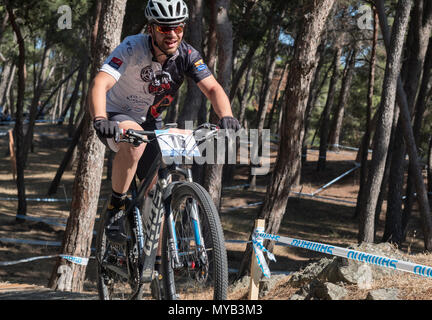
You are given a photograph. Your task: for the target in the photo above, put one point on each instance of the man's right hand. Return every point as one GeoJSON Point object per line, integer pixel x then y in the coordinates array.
{"type": "Point", "coordinates": [106, 128]}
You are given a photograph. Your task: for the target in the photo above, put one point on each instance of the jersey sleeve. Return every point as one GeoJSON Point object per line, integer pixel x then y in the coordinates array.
{"type": "Point", "coordinates": [117, 62]}
{"type": "Point", "coordinates": [196, 67]}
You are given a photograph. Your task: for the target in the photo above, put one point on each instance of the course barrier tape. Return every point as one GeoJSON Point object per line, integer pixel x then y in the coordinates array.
{"type": "Point", "coordinates": [40, 199]}
{"type": "Point", "coordinates": [258, 248]}
{"type": "Point", "coordinates": [76, 260]}
{"type": "Point", "coordinates": [34, 199]}
{"type": "Point", "coordinates": [381, 261]}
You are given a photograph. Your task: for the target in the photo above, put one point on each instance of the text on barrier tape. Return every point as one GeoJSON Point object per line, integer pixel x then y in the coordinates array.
{"type": "Point", "coordinates": [76, 260]}
{"type": "Point", "coordinates": [345, 253]}
{"type": "Point", "coordinates": [258, 250]}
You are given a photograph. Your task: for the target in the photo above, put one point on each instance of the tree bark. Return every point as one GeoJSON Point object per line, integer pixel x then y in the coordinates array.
{"type": "Point", "coordinates": [419, 59]}
{"type": "Point", "coordinates": [363, 153]}
{"type": "Point", "coordinates": [18, 129]}
{"type": "Point", "coordinates": [314, 93]}
{"type": "Point", "coordinates": [325, 118]}
{"type": "Point", "coordinates": [7, 102]}
{"type": "Point", "coordinates": [213, 173]}
{"type": "Point", "coordinates": [194, 96]}
{"type": "Point", "coordinates": [79, 230]}
{"type": "Point", "coordinates": [268, 74]}
{"type": "Point", "coordinates": [429, 168]}
{"type": "Point", "coordinates": [410, 143]}
{"type": "Point", "coordinates": [74, 97]}
{"type": "Point", "coordinates": [5, 76]}
{"type": "Point", "coordinates": [343, 99]}
{"type": "Point", "coordinates": [411, 73]}
{"type": "Point", "coordinates": [276, 98]}
{"type": "Point", "coordinates": [242, 96]}
{"type": "Point", "coordinates": [383, 130]}
{"type": "Point", "coordinates": [42, 79]}
{"type": "Point", "coordinates": [291, 131]}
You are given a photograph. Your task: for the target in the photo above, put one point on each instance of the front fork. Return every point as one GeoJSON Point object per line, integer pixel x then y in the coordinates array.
{"type": "Point", "coordinates": [192, 212]}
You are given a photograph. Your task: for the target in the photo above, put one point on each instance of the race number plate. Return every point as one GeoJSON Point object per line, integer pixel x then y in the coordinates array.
{"type": "Point", "coordinates": [177, 143]}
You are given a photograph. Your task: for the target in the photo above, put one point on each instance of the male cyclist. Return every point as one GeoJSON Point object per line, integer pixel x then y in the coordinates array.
{"type": "Point", "coordinates": [133, 87]}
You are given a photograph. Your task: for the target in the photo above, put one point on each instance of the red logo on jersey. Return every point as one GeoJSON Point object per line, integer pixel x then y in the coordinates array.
{"type": "Point", "coordinates": [158, 108]}
{"type": "Point", "coordinates": [115, 63]}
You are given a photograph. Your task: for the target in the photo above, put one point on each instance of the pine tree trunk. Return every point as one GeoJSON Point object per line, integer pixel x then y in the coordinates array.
{"type": "Point", "coordinates": [362, 155]}
{"type": "Point", "coordinates": [242, 96]}
{"type": "Point", "coordinates": [8, 103]}
{"type": "Point", "coordinates": [419, 59]}
{"type": "Point", "coordinates": [5, 75]}
{"type": "Point", "coordinates": [79, 230]}
{"type": "Point", "coordinates": [265, 97]}
{"type": "Point", "coordinates": [213, 173]}
{"type": "Point", "coordinates": [429, 168]}
{"type": "Point", "coordinates": [407, 129]}
{"type": "Point", "coordinates": [313, 94]}
{"type": "Point", "coordinates": [18, 129]}
{"type": "Point", "coordinates": [291, 131]}
{"type": "Point", "coordinates": [324, 127]}
{"type": "Point", "coordinates": [384, 124]}
{"type": "Point", "coordinates": [194, 96]}
{"type": "Point", "coordinates": [343, 99]}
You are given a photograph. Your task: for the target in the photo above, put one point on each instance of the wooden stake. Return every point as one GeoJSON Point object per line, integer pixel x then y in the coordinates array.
{"type": "Point", "coordinates": [255, 269]}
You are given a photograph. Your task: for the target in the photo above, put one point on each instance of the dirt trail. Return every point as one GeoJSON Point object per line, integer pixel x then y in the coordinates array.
{"type": "Point", "coordinates": [19, 291]}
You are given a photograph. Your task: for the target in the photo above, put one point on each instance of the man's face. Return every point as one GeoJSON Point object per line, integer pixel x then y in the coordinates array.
{"type": "Point", "coordinates": [168, 38]}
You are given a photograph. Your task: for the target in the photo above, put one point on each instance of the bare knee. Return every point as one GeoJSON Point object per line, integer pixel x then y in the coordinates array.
{"type": "Point", "coordinates": [130, 153]}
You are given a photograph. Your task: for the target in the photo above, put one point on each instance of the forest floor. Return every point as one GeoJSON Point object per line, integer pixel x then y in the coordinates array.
{"type": "Point", "coordinates": [326, 219]}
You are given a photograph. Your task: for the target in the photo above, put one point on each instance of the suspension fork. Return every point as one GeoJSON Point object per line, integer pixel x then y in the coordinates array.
{"type": "Point", "coordinates": [192, 208]}
{"type": "Point", "coordinates": [192, 212]}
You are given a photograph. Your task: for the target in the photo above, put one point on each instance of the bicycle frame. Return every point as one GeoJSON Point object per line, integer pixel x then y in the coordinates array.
{"type": "Point", "coordinates": [148, 243]}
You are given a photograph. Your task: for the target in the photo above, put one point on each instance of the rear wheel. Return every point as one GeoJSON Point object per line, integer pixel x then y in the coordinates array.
{"type": "Point", "coordinates": [203, 271]}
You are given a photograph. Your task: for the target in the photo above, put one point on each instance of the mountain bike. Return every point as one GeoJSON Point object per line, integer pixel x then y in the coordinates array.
{"type": "Point", "coordinates": [194, 260]}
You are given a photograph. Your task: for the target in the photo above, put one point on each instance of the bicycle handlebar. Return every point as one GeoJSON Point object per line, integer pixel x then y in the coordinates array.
{"type": "Point", "coordinates": [136, 137]}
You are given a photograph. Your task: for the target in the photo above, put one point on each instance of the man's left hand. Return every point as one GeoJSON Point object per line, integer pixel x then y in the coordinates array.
{"type": "Point", "coordinates": [229, 122]}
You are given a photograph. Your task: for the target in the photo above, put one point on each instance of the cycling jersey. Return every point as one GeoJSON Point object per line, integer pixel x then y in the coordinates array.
{"type": "Point", "coordinates": [145, 88]}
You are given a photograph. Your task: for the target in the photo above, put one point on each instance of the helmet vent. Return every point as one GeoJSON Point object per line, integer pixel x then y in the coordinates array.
{"type": "Point", "coordinates": [162, 10]}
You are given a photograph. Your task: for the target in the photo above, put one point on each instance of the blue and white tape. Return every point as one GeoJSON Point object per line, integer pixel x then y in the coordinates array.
{"type": "Point", "coordinates": [259, 249]}
{"type": "Point", "coordinates": [381, 261]}
{"type": "Point", "coordinates": [76, 260]}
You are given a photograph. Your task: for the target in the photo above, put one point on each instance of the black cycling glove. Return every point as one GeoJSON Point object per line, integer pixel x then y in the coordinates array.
{"type": "Point", "coordinates": [106, 128]}
{"type": "Point", "coordinates": [229, 123]}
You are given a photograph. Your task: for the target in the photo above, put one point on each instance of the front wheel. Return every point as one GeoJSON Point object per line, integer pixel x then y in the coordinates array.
{"type": "Point", "coordinates": [203, 269]}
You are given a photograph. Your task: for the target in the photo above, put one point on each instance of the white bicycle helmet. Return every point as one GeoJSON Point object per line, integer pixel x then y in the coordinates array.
{"type": "Point", "coordinates": [168, 12]}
